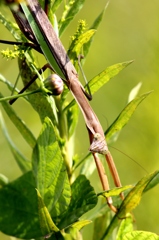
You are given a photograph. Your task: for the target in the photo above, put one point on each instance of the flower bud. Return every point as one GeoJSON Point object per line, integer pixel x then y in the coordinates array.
{"type": "Point", "coordinates": [54, 84]}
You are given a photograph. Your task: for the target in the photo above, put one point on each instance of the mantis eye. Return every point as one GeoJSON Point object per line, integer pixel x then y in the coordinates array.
{"type": "Point", "coordinates": [54, 84]}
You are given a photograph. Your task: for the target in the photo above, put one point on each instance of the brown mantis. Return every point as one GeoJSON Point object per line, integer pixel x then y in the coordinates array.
{"type": "Point", "coordinates": [69, 73]}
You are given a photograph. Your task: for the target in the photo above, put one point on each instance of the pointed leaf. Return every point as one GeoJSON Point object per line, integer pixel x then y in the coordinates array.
{"type": "Point", "coordinates": [46, 223]}
{"type": "Point", "coordinates": [130, 202]}
{"type": "Point", "coordinates": [74, 9]}
{"type": "Point", "coordinates": [134, 196]}
{"type": "Point", "coordinates": [19, 208]}
{"type": "Point", "coordinates": [10, 26]}
{"type": "Point", "coordinates": [152, 183]}
{"type": "Point", "coordinates": [50, 171]}
{"type": "Point", "coordinates": [115, 191]}
{"type": "Point", "coordinates": [56, 5]}
{"type": "Point", "coordinates": [83, 199]}
{"type": "Point", "coordinates": [140, 235]}
{"type": "Point", "coordinates": [123, 118]}
{"type": "Point", "coordinates": [80, 224]}
{"type": "Point", "coordinates": [102, 78]}
{"type": "Point", "coordinates": [23, 163]}
{"type": "Point", "coordinates": [95, 26]}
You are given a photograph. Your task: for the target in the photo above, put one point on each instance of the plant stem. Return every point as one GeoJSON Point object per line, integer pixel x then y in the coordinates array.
{"type": "Point", "coordinates": [63, 131]}
{"type": "Point", "coordinates": [19, 95]}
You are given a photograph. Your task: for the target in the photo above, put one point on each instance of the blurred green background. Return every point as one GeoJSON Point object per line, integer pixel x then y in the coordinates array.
{"type": "Point", "coordinates": [129, 31]}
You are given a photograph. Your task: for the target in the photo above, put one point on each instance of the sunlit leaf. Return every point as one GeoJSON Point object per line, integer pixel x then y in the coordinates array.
{"type": "Point", "coordinates": [102, 78]}
{"type": "Point", "coordinates": [130, 202]}
{"type": "Point", "coordinates": [83, 38]}
{"type": "Point", "coordinates": [140, 235]}
{"type": "Point", "coordinates": [123, 118]}
{"type": "Point", "coordinates": [3, 180]}
{"type": "Point", "coordinates": [114, 191]}
{"type": "Point", "coordinates": [80, 224]}
{"type": "Point", "coordinates": [12, 28]}
{"type": "Point", "coordinates": [46, 223]}
{"type": "Point", "coordinates": [133, 93]}
{"type": "Point", "coordinates": [74, 9]}
{"type": "Point", "coordinates": [95, 26]}
{"type": "Point", "coordinates": [56, 5]}
{"type": "Point", "coordinates": [134, 196]}
{"type": "Point", "coordinates": [50, 171]}
{"type": "Point", "coordinates": [79, 205]}
{"type": "Point", "coordinates": [125, 227]}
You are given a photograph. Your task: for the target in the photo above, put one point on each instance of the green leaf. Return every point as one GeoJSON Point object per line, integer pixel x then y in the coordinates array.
{"type": "Point", "coordinates": [78, 44]}
{"type": "Point", "coordinates": [130, 202]}
{"type": "Point", "coordinates": [140, 235]}
{"type": "Point", "coordinates": [102, 78]}
{"type": "Point", "coordinates": [19, 124]}
{"type": "Point", "coordinates": [95, 26]}
{"type": "Point", "coordinates": [56, 5]}
{"type": "Point", "coordinates": [125, 227]}
{"type": "Point", "coordinates": [134, 196]}
{"type": "Point", "coordinates": [50, 171]}
{"type": "Point", "coordinates": [12, 28]}
{"type": "Point", "coordinates": [19, 208]}
{"type": "Point", "coordinates": [83, 199]}
{"type": "Point", "coordinates": [74, 9]}
{"type": "Point", "coordinates": [72, 233]}
{"type": "Point", "coordinates": [123, 118]}
{"type": "Point", "coordinates": [115, 191]}
{"type": "Point", "coordinates": [80, 224]}
{"type": "Point", "coordinates": [46, 223]}
{"type": "Point", "coordinates": [133, 93]}
{"type": "Point", "coordinates": [152, 183]}
{"type": "Point", "coordinates": [9, 85]}
{"type": "Point", "coordinates": [23, 163]}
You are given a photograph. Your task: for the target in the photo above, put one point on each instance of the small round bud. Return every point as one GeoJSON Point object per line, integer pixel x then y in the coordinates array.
{"type": "Point", "coordinates": [54, 84]}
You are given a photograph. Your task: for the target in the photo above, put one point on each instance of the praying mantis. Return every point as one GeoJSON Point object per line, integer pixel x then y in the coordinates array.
{"type": "Point", "coordinates": [35, 18]}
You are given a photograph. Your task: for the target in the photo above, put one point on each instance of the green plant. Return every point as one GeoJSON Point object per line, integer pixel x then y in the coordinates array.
{"type": "Point", "coordinates": [62, 197]}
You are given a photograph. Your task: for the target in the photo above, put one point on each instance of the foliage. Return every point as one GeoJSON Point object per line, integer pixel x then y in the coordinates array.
{"type": "Point", "coordinates": [49, 199]}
